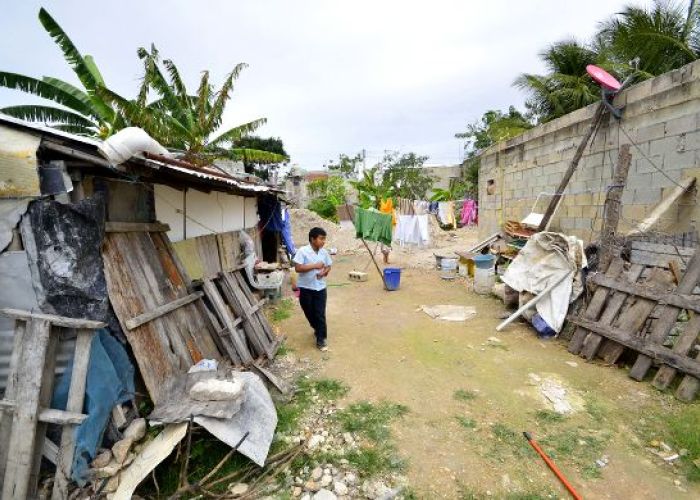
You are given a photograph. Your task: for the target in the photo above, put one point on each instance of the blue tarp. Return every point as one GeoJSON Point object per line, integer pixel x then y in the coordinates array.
{"type": "Point", "coordinates": [276, 219]}
{"type": "Point", "coordinates": [110, 381]}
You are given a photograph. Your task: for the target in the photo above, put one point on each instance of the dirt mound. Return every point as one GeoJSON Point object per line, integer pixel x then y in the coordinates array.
{"type": "Point", "coordinates": [341, 238]}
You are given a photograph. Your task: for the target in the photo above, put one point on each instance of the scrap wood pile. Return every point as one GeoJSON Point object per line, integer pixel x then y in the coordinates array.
{"type": "Point", "coordinates": [171, 328]}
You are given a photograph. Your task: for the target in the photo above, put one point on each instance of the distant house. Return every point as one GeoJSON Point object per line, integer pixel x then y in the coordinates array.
{"type": "Point", "coordinates": [296, 185]}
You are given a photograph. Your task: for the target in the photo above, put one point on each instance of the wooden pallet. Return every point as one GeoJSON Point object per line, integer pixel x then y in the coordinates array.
{"type": "Point", "coordinates": [238, 314]}
{"type": "Point", "coordinates": [619, 317]}
{"type": "Point", "coordinates": [25, 412]}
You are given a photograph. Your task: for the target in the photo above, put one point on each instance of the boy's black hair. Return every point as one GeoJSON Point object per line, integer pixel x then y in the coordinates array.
{"type": "Point", "coordinates": [316, 232]}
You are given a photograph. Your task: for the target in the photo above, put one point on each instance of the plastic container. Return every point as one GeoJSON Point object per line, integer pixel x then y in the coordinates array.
{"type": "Point", "coordinates": [392, 277]}
{"type": "Point", "coordinates": [449, 268]}
{"type": "Point", "coordinates": [484, 261]}
{"type": "Point", "coordinates": [484, 279]}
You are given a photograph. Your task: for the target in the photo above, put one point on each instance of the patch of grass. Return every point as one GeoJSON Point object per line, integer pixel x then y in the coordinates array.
{"type": "Point", "coordinates": [289, 414]}
{"type": "Point", "coordinates": [466, 422]}
{"type": "Point", "coordinates": [576, 447]}
{"type": "Point", "coordinates": [464, 395]}
{"type": "Point", "coordinates": [497, 345]}
{"type": "Point", "coordinates": [282, 310]}
{"type": "Point", "coordinates": [595, 409]}
{"type": "Point", "coordinates": [517, 495]}
{"type": "Point", "coordinates": [684, 429]}
{"type": "Point", "coordinates": [284, 349]}
{"type": "Point", "coordinates": [370, 419]}
{"type": "Point", "coordinates": [513, 441]}
{"type": "Point", "coordinates": [549, 417]}
{"type": "Point", "coordinates": [376, 459]}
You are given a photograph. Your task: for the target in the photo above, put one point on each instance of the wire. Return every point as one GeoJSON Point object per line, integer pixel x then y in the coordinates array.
{"type": "Point", "coordinates": [646, 157]}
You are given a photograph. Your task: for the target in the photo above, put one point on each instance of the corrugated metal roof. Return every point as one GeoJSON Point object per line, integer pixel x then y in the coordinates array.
{"type": "Point", "coordinates": [208, 174]}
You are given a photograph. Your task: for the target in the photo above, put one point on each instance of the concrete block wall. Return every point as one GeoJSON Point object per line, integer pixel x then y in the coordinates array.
{"type": "Point", "coordinates": [662, 122]}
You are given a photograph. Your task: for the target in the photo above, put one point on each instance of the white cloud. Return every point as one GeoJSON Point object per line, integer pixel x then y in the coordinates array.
{"type": "Point", "coordinates": [331, 77]}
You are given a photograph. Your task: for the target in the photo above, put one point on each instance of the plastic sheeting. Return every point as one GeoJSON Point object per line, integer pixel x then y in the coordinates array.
{"type": "Point", "coordinates": [63, 242]}
{"type": "Point", "coordinates": [110, 381]}
{"type": "Point", "coordinates": [274, 218]}
{"type": "Point", "coordinates": [257, 416]}
{"type": "Point", "coordinates": [10, 213]}
{"type": "Point", "coordinates": [545, 258]}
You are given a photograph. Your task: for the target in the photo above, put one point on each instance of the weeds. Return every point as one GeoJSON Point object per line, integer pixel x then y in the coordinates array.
{"type": "Point", "coordinates": [466, 422]}
{"type": "Point", "coordinates": [577, 448]}
{"type": "Point", "coordinates": [369, 419]}
{"type": "Point", "coordinates": [464, 395]}
{"type": "Point", "coordinates": [281, 311]}
{"type": "Point", "coordinates": [595, 409]}
{"type": "Point", "coordinates": [375, 459]}
{"type": "Point", "coordinates": [684, 428]}
{"type": "Point", "coordinates": [549, 417]}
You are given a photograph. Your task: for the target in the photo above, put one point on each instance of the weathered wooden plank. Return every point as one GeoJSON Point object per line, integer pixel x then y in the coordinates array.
{"type": "Point", "coordinates": [60, 417]}
{"type": "Point", "coordinates": [240, 305]}
{"type": "Point", "coordinates": [50, 451]}
{"type": "Point", "coordinates": [657, 259]}
{"type": "Point", "coordinates": [595, 306]}
{"type": "Point", "coordinates": [141, 227]}
{"type": "Point", "coordinates": [611, 208]}
{"type": "Point", "coordinates": [662, 248]}
{"type": "Point", "coordinates": [76, 398]}
{"type": "Point", "coordinates": [226, 317]}
{"type": "Point", "coordinates": [53, 319]}
{"type": "Point", "coordinates": [667, 318]}
{"type": "Point", "coordinates": [276, 381]}
{"type": "Point", "coordinates": [689, 386]}
{"type": "Point", "coordinates": [25, 417]}
{"type": "Point", "coordinates": [220, 333]}
{"type": "Point", "coordinates": [684, 343]}
{"type": "Point", "coordinates": [662, 294]}
{"type": "Point", "coordinates": [252, 299]}
{"type": "Point", "coordinates": [593, 340]}
{"type": "Point", "coordinates": [161, 310]}
{"type": "Point", "coordinates": [653, 351]}
{"type": "Point", "coordinates": [208, 250]}
{"type": "Point", "coordinates": [10, 392]}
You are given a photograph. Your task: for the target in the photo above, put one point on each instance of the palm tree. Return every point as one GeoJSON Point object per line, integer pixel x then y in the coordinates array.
{"type": "Point", "coordinates": [184, 121]}
{"type": "Point", "coordinates": [81, 111]}
{"type": "Point", "coordinates": [566, 87]}
{"type": "Point", "coordinates": [663, 37]}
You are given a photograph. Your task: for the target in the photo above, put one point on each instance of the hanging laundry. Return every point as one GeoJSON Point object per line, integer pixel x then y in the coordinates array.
{"type": "Point", "coordinates": [433, 207]}
{"type": "Point", "coordinates": [446, 213]}
{"type": "Point", "coordinates": [387, 207]}
{"type": "Point", "coordinates": [413, 230]}
{"type": "Point", "coordinates": [373, 225]}
{"type": "Point", "coordinates": [469, 212]}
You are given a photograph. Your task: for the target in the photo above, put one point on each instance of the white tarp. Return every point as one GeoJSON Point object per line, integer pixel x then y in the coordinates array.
{"type": "Point", "coordinates": [10, 212]}
{"type": "Point", "coordinates": [544, 259]}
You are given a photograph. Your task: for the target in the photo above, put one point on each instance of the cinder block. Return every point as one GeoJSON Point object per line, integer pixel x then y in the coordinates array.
{"type": "Point", "coordinates": [647, 133]}
{"type": "Point", "coordinates": [683, 124]}
{"type": "Point", "coordinates": [648, 196]}
{"type": "Point", "coordinates": [662, 147]}
{"type": "Point", "coordinates": [574, 211]}
{"type": "Point", "coordinates": [567, 222]}
{"type": "Point", "coordinates": [583, 223]}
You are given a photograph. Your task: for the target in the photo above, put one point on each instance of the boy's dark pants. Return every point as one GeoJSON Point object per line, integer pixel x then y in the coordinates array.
{"type": "Point", "coordinates": [313, 303]}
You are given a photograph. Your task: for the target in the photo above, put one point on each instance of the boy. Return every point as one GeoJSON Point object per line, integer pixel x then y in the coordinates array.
{"type": "Point", "coordinates": [312, 263]}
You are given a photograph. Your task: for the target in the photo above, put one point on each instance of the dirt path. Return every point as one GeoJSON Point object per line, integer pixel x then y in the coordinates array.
{"type": "Point", "coordinates": [384, 349]}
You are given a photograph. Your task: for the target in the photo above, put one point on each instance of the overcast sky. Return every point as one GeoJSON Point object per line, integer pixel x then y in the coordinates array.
{"type": "Point", "coordinates": [331, 77]}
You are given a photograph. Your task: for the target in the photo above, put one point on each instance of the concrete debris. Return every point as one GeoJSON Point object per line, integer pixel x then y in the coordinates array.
{"type": "Point", "coordinates": [217, 390]}
{"type": "Point", "coordinates": [238, 490]}
{"type": "Point", "coordinates": [120, 450]}
{"type": "Point", "coordinates": [102, 460]}
{"type": "Point", "coordinates": [136, 430]}
{"type": "Point", "coordinates": [449, 312]}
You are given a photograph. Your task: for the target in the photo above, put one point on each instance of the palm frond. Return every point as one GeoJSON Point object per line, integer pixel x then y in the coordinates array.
{"type": "Point", "coordinates": [176, 80]}
{"type": "Point", "coordinates": [75, 129]}
{"type": "Point", "coordinates": [238, 132]}
{"type": "Point", "coordinates": [217, 109]}
{"type": "Point", "coordinates": [202, 104]}
{"type": "Point", "coordinates": [47, 90]}
{"type": "Point", "coordinates": [47, 115]}
{"type": "Point", "coordinates": [256, 156]}
{"type": "Point", "coordinates": [70, 51]}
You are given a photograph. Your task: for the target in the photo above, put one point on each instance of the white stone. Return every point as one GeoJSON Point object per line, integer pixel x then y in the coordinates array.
{"type": "Point", "coordinates": [102, 460]}
{"type": "Point", "coordinates": [217, 390]}
{"type": "Point", "coordinates": [340, 488]}
{"type": "Point", "coordinates": [239, 489]}
{"type": "Point", "coordinates": [317, 473]}
{"type": "Point", "coordinates": [108, 471]}
{"type": "Point", "coordinates": [112, 485]}
{"type": "Point", "coordinates": [120, 450]}
{"type": "Point", "coordinates": [306, 497]}
{"type": "Point", "coordinates": [324, 494]}
{"type": "Point", "coordinates": [315, 441]}
{"type": "Point", "coordinates": [296, 492]}
{"type": "Point", "coordinates": [326, 480]}
{"type": "Point", "coordinates": [348, 438]}
{"type": "Point", "coordinates": [311, 486]}
{"type": "Point", "coordinates": [136, 429]}
{"type": "Point", "coordinates": [350, 478]}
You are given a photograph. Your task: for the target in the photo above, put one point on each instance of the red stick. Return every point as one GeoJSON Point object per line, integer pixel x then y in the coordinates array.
{"type": "Point", "coordinates": [552, 466]}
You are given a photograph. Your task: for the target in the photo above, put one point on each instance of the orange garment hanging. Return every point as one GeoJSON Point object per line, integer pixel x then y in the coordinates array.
{"type": "Point", "coordinates": [387, 207]}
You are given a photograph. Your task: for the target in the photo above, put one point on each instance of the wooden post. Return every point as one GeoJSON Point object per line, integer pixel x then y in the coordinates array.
{"type": "Point", "coordinates": [611, 209]}
{"type": "Point", "coordinates": [76, 398]}
{"type": "Point", "coordinates": [26, 415]}
{"type": "Point", "coordinates": [597, 117]}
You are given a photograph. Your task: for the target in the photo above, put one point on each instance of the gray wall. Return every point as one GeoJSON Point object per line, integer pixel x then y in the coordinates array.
{"type": "Point", "coordinates": [662, 116]}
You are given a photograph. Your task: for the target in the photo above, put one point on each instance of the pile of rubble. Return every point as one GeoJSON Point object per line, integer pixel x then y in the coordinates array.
{"type": "Point", "coordinates": [338, 237]}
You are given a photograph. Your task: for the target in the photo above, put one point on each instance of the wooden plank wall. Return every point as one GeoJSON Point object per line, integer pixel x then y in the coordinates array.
{"type": "Point", "coordinates": [142, 274]}
{"type": "Point", "coordinates": [206, 256]}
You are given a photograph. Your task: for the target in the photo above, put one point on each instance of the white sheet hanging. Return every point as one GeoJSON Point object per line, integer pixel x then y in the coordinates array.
{"type": "Point", "coordinates": [412, 230]}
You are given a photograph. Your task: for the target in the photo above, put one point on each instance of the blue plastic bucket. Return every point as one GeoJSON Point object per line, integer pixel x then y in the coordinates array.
{"type": "Point", "coordinates": [484, 261]}
{"type": "Point", "coordinates": [392, 277]}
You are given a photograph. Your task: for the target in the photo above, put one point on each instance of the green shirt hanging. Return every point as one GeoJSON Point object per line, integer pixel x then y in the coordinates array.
{"type": "Point", "coordinates": [373, 225]}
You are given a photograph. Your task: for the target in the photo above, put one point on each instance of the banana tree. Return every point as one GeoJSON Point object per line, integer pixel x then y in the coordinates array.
{"type": "Point", "coordinates": [189, 122]}
{"type": "Point", "coordinates": [80, 111]}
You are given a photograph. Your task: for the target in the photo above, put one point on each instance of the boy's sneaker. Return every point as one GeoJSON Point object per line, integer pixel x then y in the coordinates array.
{"type": "Point", "coordinates": [322, 347]}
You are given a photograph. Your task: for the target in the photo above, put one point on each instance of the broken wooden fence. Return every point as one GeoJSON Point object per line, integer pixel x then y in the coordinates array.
{"type": "Point", "coordinates": [25, 412]}
{"type": "Point", "coordinates": [637, 306]}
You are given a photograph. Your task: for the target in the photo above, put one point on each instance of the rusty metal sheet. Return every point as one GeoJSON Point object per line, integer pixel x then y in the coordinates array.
{"type": "Point", "coordinates": [19, 177]}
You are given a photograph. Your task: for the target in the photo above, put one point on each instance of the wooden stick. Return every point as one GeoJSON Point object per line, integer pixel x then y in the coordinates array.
{"type": "Point", "coordinates": [663, 207]}
{"type": "Point", "coordinates": [533, 301]}
{"type": "Point", "coordinates": [612, 206]}
{"type": "Point", "coordinates": [554, 202]}
{"type": "Point", "coordinates": [381, 274]}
